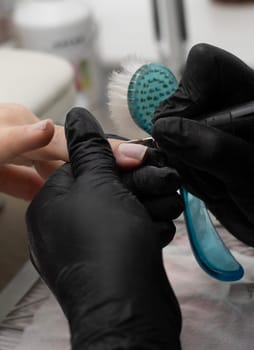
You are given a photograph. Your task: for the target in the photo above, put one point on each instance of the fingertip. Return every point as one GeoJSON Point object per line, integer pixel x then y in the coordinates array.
{"type": "Point", "coordinates": [81, 125]}
{"type": "Point", "coordinates": [130, 155]}
{"type": "Point", "coordinates": [88, 147]}
{"type": "Point", "coordinates": [176, 133]}
{"type": "Point", "coordinates": [166, 126]}
{"type": "Point", "coordinates": [167, 232]}
{"type": "Point", "coordinates": [42, 131]}
{"type": "Point", "coordinates": [158, 129]}
{"type": "Point", "coordinates": [127, 163]}
{"type": "Point", "coordinates": [42, 125]}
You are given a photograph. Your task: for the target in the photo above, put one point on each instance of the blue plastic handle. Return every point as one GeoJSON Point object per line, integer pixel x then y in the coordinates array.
{"type": "Point", "coordinates": [209, 249]}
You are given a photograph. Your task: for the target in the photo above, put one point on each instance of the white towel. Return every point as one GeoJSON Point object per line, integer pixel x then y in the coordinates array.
{"type": "Point", "coordinates": [216, 315]}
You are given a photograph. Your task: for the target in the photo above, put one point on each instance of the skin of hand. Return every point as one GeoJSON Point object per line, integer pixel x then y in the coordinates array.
{"type": "Point", "coordinates": [57, 149]}
{"type": "Point", "coordinates": [214, 165]}
{"type": "Point", "coordinates": [97, 245]}
{"type": "Point", "coordinates": [18, 136]}
{"type": "Point", "coordinates": [44, 148]}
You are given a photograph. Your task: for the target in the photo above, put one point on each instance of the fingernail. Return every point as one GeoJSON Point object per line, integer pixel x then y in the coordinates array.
{"type": "Point", "coordinates": [41, 125]}
{"type": "Point", "coordinates": [132, 150]}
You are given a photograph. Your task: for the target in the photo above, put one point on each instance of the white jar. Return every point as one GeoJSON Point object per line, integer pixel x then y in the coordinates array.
{"type": "Point", "coordinates": [65, 28]}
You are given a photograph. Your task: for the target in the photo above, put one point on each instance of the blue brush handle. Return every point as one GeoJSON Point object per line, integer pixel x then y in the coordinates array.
{"type": "Point", "coordinates": [208, 248]}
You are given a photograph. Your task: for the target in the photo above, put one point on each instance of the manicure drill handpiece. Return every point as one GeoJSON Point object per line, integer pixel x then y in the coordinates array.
{"type": "Point", "coordinates": [238, 120]}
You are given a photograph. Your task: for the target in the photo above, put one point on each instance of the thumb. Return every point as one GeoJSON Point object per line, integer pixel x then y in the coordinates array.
{"type": "Point", "coordinates": [88, 148]}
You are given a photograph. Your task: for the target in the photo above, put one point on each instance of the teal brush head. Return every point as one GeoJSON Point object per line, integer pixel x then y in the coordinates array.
{"type": "Point", "coordinates": [149, 86]}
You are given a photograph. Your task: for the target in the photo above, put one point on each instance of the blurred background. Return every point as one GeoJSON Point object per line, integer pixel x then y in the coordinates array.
{"type": "Point", "coordinates": [96, 36]}
{"type": "Point", "coordinates": [55, 54]}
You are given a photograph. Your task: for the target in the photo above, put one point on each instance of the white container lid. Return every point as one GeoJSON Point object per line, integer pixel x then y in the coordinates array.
{"type": "Point", "coordinates": [51, 13]}
{"type": "Point", "coordinates": [62, 27]}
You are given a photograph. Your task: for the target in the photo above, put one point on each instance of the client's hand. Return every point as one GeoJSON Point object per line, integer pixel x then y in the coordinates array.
{"type": "Point", "coordinates": [26, 145]}
{"type": "Point", "coordinates": [99, 248]}
{"type": "Point", "coordinates": [17, 136]}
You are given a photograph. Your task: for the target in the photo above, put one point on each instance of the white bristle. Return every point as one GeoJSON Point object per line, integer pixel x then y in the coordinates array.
{"type": "Point", "coordinates": [117, 96]}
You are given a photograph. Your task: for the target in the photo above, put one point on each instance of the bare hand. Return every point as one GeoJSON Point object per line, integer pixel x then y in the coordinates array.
{"type": "Point", "coordinates": [25, 143]}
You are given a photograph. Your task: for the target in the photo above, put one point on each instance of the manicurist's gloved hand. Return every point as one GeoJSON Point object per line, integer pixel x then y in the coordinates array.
{"type": "Point", "coordinates": [99, 248]}
{"type": "Point", "coordinates": [215, 166]}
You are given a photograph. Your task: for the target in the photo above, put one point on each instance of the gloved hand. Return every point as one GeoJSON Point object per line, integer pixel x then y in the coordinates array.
{"type": "Point", "coordinates": [98, 248]}
{"type": "Point", "coordinates": [215, 166]}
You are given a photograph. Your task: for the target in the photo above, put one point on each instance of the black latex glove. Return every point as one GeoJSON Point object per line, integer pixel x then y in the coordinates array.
{"type": "Point", "coordinates": [215, 166]}
{"type": "Point", "coordinates": [99, 250]}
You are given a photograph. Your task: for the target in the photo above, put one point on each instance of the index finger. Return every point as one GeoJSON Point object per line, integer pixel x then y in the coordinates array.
{"type": "Point", "coordinates": [57, 150]}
